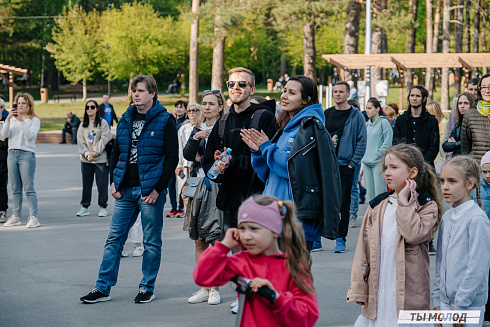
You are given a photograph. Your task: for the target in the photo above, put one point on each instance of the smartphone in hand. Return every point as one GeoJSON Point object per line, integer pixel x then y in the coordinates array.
{"type": "Point", "coordinates": [181, 174]}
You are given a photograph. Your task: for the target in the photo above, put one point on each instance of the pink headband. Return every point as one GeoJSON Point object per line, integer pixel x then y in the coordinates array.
{"type": "Point", "coordinates": [485, 159]}
{"type": "Point", "coordinates": [267, 216]}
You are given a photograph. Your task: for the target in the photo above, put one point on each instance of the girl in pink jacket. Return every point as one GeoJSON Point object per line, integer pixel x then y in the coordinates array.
{"type": "Point", "coordinates": [261, 220]}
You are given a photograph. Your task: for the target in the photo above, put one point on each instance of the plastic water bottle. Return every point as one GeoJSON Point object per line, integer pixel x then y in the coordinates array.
{"type": "Point", "coordinates": [291, 138]}
{"type": "Point", "coordinates": [223, 157]}
{"type": "Point", "coordinates": [336, 139]}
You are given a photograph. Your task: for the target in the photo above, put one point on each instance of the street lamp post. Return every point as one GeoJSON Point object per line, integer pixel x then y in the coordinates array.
{"type": "Point", "coordinates": [367, 50]}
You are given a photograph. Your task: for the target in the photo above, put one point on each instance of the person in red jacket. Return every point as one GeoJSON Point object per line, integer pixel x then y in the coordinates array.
{"type": "Point", "coordinates": [261, 219]}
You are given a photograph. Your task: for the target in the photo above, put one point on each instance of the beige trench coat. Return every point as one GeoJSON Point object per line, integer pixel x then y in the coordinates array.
{"type": "Point", "coordinates": [414, 222]}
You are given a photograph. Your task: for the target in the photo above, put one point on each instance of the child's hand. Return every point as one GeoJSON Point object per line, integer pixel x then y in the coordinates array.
{"type": "Point", "coordinates": [259, 282]}
{"type": "Point", "coordinates": [408, 189]}
{"type": "Point", "coordinates": [232, 238]}
{"type": "Point", "coordinates": [437, 309]}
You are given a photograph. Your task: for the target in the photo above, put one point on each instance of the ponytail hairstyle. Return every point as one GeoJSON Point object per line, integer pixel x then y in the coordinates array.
{"type": "Point", "coordinates": [377, 105]}
{"type": "Point", "coordinates": [293, 244]}
{"type": "Point", "coordinates": [426, 178]}
{"type": "Point", "coordinates": [469, 170]}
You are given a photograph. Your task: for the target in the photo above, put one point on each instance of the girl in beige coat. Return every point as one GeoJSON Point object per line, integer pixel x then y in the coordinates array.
{"type": "Point", "coordinates": [390, 271]}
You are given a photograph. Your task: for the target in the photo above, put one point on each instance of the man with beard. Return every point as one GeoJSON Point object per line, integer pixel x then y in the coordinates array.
{"type": "Point", "coordinates": [417, 126]}
{"type": "Point", "coordinates": [237, 176]}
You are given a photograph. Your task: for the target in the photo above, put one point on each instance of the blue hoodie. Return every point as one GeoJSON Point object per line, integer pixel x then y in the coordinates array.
{"type": "Point", "coordinates": [271, 160]}
{"type": "Point", "coordinates": [485, 196]}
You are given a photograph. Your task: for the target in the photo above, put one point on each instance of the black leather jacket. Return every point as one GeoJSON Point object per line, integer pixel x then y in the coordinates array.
{"type": "Point", "coordinates": [314, 175]}
{"type": "Point", "coordinates": [454, 147]}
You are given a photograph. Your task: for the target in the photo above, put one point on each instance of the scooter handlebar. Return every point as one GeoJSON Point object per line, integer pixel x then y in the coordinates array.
{"type": "Point", "coordinates": [243, 287]}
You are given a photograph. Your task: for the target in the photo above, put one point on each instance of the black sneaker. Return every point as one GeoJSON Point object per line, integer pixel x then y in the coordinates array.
{"type": "Point", "coordinates": [94, 297]}
{"type": "Point", "coordinates": [432, 250]}
{"type": "Point", "coordinates": [144, 296]}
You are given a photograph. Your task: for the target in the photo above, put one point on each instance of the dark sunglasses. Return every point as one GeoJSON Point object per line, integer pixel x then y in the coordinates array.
{"type": "Point", "coordinates": [210, 91]}
{"type": "Point", "coordinates": [90, 107]}
{"type": "Point", "coordinates": [193, 110]}
{"type": "Point", "coordinates": [241, 84]}
{"type": "Point", "coordinates": [215, 92]}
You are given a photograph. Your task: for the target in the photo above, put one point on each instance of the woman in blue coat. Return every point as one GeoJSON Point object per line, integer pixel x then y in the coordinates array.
{"type": "Point", "coordinates": [299, 163]}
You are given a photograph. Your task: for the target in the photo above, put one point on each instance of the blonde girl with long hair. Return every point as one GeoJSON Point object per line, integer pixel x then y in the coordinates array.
{"type": "Point", "coordinates": [285, 269]}
{"type": "Point", "coordinates": [463, 259]}
{"type": "Point", "coordinates": [21, 127]}
{"type": "Point", "coordinates": [390, 271]}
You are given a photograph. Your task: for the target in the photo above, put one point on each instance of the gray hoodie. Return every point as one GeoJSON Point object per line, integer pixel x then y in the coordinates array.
{"type": "Point", "coordinates": [463, 258]}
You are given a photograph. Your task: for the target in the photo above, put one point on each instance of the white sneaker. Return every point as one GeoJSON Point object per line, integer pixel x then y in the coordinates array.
{"type": "Point", "coordinates": [138, 251]}
{"type": "Point", "coordinates": [103, 212]}
{"type": "Point", "coordinates": [200, 296]}
{"type": "Point", "coordinates": [234, 304]}
{"type": "Point", "coordinates": [234, 309]}
{"type": "Point", "coordinates": [33, 222]}
{"type": "Point", "coordinates": [83, 212]}
{"type": "Point", "coordinates": [12, 221]}
{"type": "Point", "coordinates": [214, 297]}
{"type": "Point", "coordinates": [124, 254]}
{"type": "Point", "coordinates": [3, 216]}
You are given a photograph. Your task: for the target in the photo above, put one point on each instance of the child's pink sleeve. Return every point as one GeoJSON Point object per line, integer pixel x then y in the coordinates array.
{"type": "Point", "coordinates": [296, 308]}
{"type": "Point", "coordinates": [215, 267]}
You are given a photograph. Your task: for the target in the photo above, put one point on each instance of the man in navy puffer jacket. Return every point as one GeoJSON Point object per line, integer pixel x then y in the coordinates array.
{"type": "Point", "coordinates": [143, 159]}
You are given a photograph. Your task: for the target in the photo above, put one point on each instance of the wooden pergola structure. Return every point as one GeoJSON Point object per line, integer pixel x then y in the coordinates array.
{"type": "Point", "coordinates": [403, 61]}
{"type": "Point", "coordinates": [10, 71]}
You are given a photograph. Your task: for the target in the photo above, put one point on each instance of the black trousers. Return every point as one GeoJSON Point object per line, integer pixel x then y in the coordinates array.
{"type": "Point", "coordinates": [346, 179]}
{"type": "Point", "coordinates": [3, 184]}
{"type": "Point", "coordinates": [487, 306]}
{"type": "Point", "coordinates": [101, 173]}
{"type": "Point", "coordinates": [230, 220]}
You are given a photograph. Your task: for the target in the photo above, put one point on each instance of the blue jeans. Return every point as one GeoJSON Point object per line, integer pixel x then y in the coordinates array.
{"type": "Point", "coordinates": [21, 168]}
{"type": "Point", "coordinates": [172, 190]}
{"type": "Point", "coordinates": [354, 197]}
{"type": "Point", "coordinates": [126, 210]}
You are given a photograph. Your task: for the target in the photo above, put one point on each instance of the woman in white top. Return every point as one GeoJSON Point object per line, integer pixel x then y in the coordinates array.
{"type": "Point", "coordinates": [92, 137]}
{"type": "Point", "coordinates": [21, 127]}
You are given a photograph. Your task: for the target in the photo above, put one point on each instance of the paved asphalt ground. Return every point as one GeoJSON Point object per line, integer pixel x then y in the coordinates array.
{"type": "Point", "coordinates": [44, 271]}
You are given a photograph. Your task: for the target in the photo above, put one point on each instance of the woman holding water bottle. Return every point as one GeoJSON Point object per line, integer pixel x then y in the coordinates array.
{"type": "Point", "coordinates": [92, 136]}
{"type": "Point", "coordinates": [299, 163]}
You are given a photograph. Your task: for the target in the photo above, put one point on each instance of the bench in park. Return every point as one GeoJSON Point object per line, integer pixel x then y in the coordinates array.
{"type": "Point", "coordinates": [72, 97]}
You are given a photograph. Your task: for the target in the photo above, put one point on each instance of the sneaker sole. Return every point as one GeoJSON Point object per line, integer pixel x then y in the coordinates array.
{"type": "Point", "coordinates": [83, 214]}
{"type": "Point", "coordinates": [12, 225]}
{"type": "Point", "coordinates": [102, 299]}
{"type": "Point", "coordinates": [214, 303]}
{"type": "Point", "coordinates": [316, 250]}
{"type": "Point", "coordinates": [195, 302]}
{"type": "Point", "coordinates": [353, 226]}
{"type": "Point", "coordinates": [33, 226]}
{"type": "Point", "coordinates": [152, 297]}
{"type": "Point", "coordinates": [103, 215]}
{"type": "Point", "coordinates": [339, 251]}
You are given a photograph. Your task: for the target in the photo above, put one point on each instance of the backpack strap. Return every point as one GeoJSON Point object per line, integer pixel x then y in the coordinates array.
{"type": "Point", "coordinates": [221, 128]}
{"type": "Point", "coordinates": [256, 118]}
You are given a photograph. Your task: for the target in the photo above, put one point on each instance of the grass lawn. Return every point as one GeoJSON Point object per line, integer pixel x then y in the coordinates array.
{"type": "Point", "coordinates": [53, 115]}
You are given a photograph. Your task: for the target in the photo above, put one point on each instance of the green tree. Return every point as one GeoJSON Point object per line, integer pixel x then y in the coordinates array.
{"type": "Point", "coordinates": [137, 40]}
{"type": "Point", "coordinates": [76, 45]}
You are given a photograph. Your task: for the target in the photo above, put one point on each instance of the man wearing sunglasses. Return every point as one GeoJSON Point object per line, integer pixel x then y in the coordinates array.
{"type": "Point", "coordinates": [236, 177]}
{"type": "Point", "coordinates": [143, 159]}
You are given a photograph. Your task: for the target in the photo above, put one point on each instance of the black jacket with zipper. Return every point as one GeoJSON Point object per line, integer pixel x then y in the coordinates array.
{"type": "Point", "coordinates": [238, 181]}
{"type": "Point", "coordinates": [426, 133]}
{"type": "Point", "coordinates": [314, 175]}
